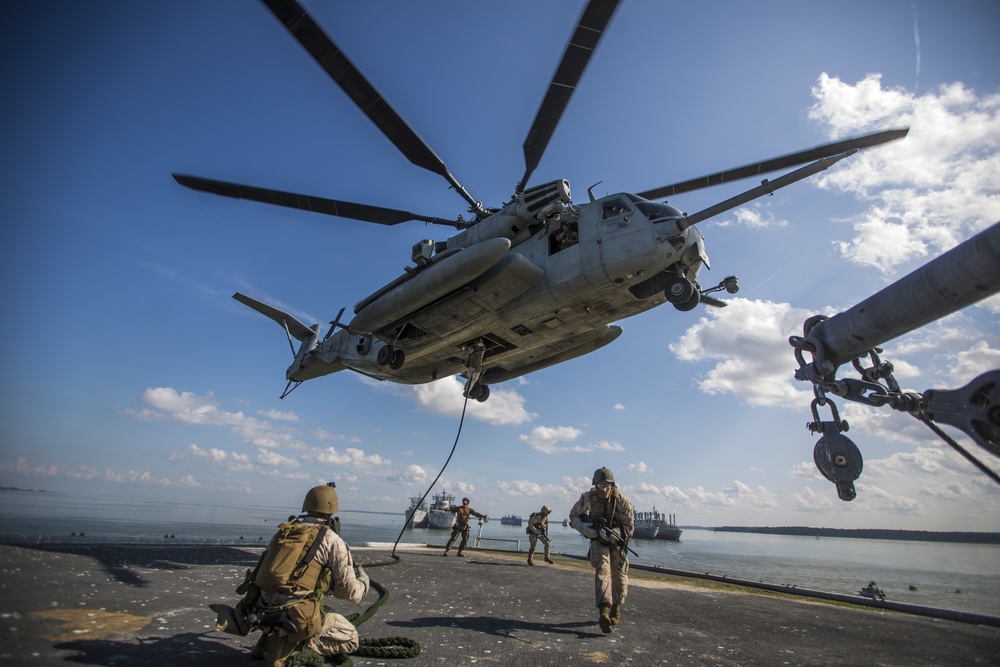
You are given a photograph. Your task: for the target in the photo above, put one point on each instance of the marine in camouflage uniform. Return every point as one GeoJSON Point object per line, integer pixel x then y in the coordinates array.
{"type": "Point", "coordinates": [291, 613]}
{"type": "Point", "coordinates": [461, 526]}
{"type": "Point", "coordinates": [604, 503]}
{"type": "Point", "coordinates": [538, 529]}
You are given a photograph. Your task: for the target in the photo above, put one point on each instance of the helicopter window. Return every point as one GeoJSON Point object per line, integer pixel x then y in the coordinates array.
{"type": "Point", "coordinates": [613, 208]}
{"type": "Point", "coordinates": [654, 211]}
{"type": "Point", "coordinates": [564, 237]}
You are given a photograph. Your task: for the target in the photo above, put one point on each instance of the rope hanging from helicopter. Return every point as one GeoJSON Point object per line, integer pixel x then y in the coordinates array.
{"type": "Point", "coordinates": [395, 647]}
{"type": "Point", "coordinates": [974, 409]}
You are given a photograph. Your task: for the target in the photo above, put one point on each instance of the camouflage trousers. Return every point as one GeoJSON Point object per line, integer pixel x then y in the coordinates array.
{"type": "Point", "coordinates": [336, 636]}
{"type": "Point", "coordinates": [456, 529]}
{"type": "Point", "coordinates": [611, 576]}
{"type": "Point", "coordinates": [533, 540]}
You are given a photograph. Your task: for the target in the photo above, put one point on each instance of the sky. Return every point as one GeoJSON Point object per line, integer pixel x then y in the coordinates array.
{"type": "Point", "coordinates": [130, 371]}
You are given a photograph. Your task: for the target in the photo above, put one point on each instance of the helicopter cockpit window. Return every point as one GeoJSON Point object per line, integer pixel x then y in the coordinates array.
{"type": "Point", "coordinates": [614, 208]}
{"type": "Point", "coordinates": [655, 212]}
{"type": "Point", "coordinates": [564, 237]}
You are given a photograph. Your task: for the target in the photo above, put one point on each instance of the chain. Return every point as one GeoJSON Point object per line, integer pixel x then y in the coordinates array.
{"type": "Point", "coordinates": [876, 387]}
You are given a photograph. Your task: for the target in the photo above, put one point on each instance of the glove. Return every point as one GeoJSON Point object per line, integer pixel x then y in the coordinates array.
{"type": "Point", "coordinates": [583, 529]}
{"type": "Point", "coordinates": [363, 578]}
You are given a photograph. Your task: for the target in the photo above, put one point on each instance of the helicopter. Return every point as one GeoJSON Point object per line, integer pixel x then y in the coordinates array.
{"type": "Point", "coordinates": [535, 282]}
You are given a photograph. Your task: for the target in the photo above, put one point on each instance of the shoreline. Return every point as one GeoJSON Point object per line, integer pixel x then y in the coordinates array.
{"type": "Point", "coordinates": [951, 537]}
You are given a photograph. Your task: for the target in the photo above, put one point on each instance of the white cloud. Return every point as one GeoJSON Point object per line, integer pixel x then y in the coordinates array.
{"type": "Point", "coordinates": [970, 363]}
{"type": "Point", "coordinates": [278, 415]}
{"type": "Point", "coordinates": [546, 439]}
{"type": "Point", "coordinates": [267, 457]}
{"type": "Point", "coordinates": [755, 216]}
{"type": "Point", "coordinates": [444, 397]}
{"type": "Point", "coordinates": [189, 408]}
{"type": "Point", "coordinates": [352, 457]}
{"type": "Point", "coordinates": [748, 340]}
{"type": "Point", "coordinates": [928, 191]}
{"type": "Point", "coordinates": [412, 474]}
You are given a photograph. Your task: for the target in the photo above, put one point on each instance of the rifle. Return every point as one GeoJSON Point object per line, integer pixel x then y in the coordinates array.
{"type": "Point", "coordinates": [607, 535]}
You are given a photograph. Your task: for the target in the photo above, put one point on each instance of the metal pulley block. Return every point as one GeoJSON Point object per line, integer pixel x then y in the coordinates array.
{"type": "Point", "coordinates": [975, 408]}
{"type": "Point", "coordinates": [835, 455]}
{"type": "Point", "coordinates": [839, 460]}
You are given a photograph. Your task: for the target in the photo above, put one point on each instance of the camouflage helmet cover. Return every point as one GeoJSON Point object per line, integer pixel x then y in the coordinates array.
{"type": "Point", "coordinates": [321, 500]}
{"type": "Point", "coordinates": [546, 509]}
{"type": "Point", "coordinates": [604, 475]}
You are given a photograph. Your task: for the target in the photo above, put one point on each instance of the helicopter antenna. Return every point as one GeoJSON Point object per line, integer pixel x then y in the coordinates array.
{"type": "Point", "coordinates": [590, 191]}
{"type": "Point", "coordinates": [581, 47]}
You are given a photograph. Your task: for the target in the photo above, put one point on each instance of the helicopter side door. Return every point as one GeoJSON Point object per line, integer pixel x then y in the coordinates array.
{"type": "Point", "coordinates": [625, 240]}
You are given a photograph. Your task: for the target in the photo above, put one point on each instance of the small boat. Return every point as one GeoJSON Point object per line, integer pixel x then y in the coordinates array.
{"type": "Point", "coordinates": [440, 514]}
{"type": "Point", "coordinates": [565, 522]}
{"type": "Point", "coordinates": [419, 511]}
{"type": "Point", "coordinates": [511, 520]}
{"type": "Point", "coordinates": [872, 591]}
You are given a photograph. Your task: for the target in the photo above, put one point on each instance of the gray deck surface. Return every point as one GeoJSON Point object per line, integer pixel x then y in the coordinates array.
{"type": "Point", "coordinates": [148, 605]}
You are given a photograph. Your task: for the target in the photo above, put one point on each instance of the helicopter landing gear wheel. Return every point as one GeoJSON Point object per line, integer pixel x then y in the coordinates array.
{"type": "Point", "coordinates": [398, 357]}
{"type": "Point", "coordinates": [384, 356]}
{"type": "Point", "coordinates": [693, 301]}
{"type": "Point", "coordinates": [477, 392]}
{"type": "Point", "coordinates": [679, 290]}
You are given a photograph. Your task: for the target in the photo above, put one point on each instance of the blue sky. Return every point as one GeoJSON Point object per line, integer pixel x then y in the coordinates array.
{"type": "Point", "coordinates": [129, 370]}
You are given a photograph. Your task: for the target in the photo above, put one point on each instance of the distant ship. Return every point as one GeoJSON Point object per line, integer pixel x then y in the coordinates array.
{"type": "Point", "coordinates": [419, 510]}
{"type": "Point", "coordinates": [647, 525]}
{"type": "Point", "coordinates": [511, 520]}
{"type": "Point", "coordinates": [440, 514]}
{"type": "Point", "coordinates": [668, 526]}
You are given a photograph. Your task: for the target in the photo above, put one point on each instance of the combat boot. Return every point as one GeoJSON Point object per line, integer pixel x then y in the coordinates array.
{"type": "Point", "coordinates": [615, 614]}
{"type": "Point", "coordinates": [445, 552]}
{"type": "Point", "coordinates": [530, 554]}
{"type": "Point", "coordinates": [549, 560]}
{"type": "Point", "coordinates": [605, 619]}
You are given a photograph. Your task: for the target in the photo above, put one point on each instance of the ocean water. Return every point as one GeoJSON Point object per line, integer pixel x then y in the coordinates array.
{"type": "Point", "coordinates": [964, 577]}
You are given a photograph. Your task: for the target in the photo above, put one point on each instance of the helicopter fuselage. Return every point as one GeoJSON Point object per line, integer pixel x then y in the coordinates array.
{"type": "Point", "coordinates": [536, 289]}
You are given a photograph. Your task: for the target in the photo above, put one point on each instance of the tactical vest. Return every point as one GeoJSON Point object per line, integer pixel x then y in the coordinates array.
{"type": "Point", "coordinates": [462, 516]}
{"type": "Point", "coordinates": [289, 563]}
{"type": "Point", "coordinates": [605, 509]}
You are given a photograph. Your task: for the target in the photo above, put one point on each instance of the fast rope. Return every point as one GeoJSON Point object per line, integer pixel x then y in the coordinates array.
{"type": "Point", "coordinates": [384, 647]}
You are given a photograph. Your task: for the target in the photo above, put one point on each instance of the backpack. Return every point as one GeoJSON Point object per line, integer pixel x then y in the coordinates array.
{"type": "Point", "coordinates": [289, 562]}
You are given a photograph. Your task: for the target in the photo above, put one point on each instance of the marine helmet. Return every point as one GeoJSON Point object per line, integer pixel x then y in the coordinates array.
{"type": "Point", "coordinates": [546, 509]}
{"type": "Point", "coordinates": [604, 475]}
{"type": "Point", "coordinates": [465, 500]}
{"type": "Point", "coordinates": [321, 500]}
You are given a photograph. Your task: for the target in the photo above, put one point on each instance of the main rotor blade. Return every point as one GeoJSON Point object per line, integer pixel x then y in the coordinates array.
{"type": "Point", "coordinates": [783, 162]}
{"type": "Point", "coordinates": [342, 209]}
{"type": "Point", "coordinates": [343, 72]}
{"type": "Point", "coordinates": [582, 44]}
